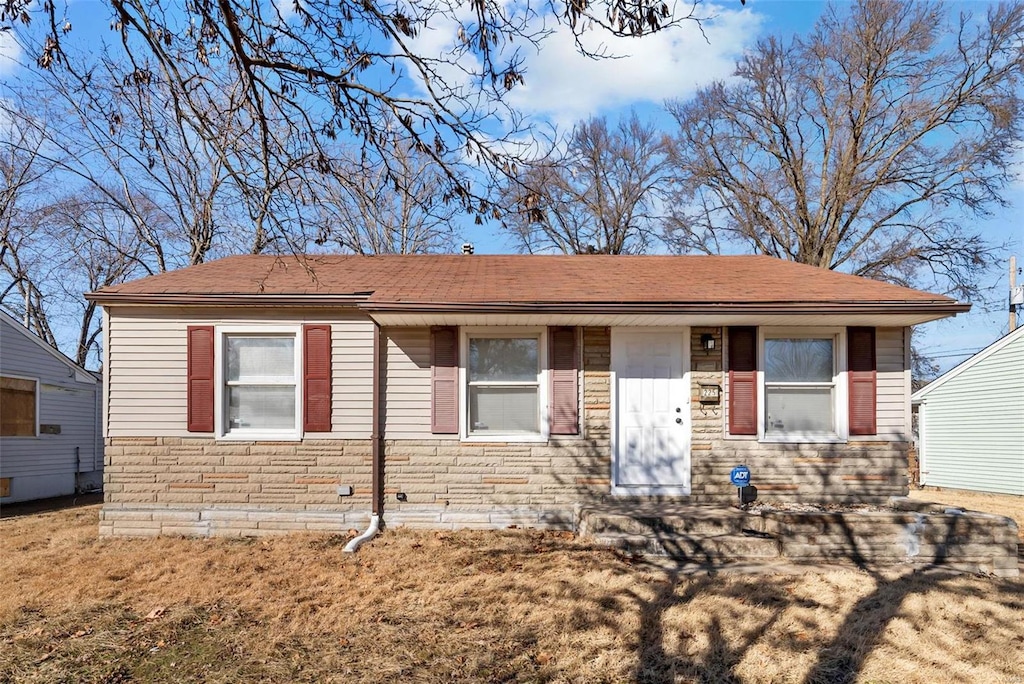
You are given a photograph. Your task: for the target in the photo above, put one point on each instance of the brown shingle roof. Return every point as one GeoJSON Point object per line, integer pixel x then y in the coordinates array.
{"type": "Point", "coordinates": [456, 281]}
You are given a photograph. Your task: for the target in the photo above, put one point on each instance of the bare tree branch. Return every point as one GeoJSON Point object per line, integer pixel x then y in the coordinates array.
{"type": "Point", "coordinates": [328, 70]}
{"type": "Point", "coordinates": [860, 146]}
{"type": "Point", "coordinates": [602, 194]}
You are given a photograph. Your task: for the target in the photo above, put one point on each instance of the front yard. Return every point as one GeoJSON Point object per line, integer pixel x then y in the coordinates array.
{"type": "Point", "coordinates": [515, 606]}
{"type": "Point", "coordinates": [999, 504]}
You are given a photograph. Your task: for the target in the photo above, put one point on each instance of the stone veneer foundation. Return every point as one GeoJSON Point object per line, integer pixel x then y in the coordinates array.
{"type": "Point", "coordinates": [199, 486]}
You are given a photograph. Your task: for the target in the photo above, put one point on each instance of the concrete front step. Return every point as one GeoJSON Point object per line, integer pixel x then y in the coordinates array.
{"type": "Point", "coordinates": [703, 549]}
{"type": "Point", "coordinates": [667, 521]}
{"type": "Point", "coordinates": [690, 533]}
{"type": "Point", "coordinates": [713, 535]}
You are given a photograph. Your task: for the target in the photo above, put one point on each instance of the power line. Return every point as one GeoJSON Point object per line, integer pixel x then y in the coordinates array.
{"type": "Point", "coordinates": [952, 356]}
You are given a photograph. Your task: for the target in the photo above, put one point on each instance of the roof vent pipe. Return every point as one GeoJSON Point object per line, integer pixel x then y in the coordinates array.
{"type": "Point", "coordinates": [467, 247]}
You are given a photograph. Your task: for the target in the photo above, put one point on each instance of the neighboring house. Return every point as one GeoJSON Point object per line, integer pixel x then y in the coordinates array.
{"type": "Point", "coordinates": [971, 422]}
{"type": "Point", "coordinates": [261, 393]}
{"type": "Point", "coordinates": [51, 438]}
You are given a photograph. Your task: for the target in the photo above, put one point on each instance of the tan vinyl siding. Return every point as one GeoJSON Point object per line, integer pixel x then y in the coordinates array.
{"type": "Point", "coordinates": [972, 432]}
{"type": "Point", "coordinates": [407, 395]}
{"type": "Point", "coordinates": [352, 381]}
{"type": "Point", "coordinates": [146, 375]}
{"type": "Point", "coordinates": [892, 387]}
{"type": "Point", "coordinates": [148, 367]}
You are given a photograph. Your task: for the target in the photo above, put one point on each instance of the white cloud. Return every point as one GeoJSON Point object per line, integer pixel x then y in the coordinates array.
{"type": "Point", "coordinates": [286, 8]}
{"type": "Point", "coordinates": [564, 86]}
{"type": "Point", "coordinates": [10, 53]}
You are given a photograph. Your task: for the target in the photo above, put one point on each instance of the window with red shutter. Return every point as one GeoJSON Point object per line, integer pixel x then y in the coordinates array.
{"type": "Point", "coordinates": [564, 371]}
{"type": "Point", "coordinates": [444, 380]}
{"type": "Point", "coordinates": [200, 384]}
{"type": "Point", "coordinates": [316, 375]}
{"type": "Point", "coordinates": [863, 381]}
{"type": "Point", "coordinates": [742, 380]}
{"type": "Point", "coordinates": [251, 382]}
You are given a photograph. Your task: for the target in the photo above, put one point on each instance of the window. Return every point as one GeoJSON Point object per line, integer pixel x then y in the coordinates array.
{"type": "Point", "coordinates": [259, 388]}
{"type": "Point", "coordinates": [516, 384]}
{"type": "Point", "coordinates": [801, 375]}
{"type": "Point", "coordinates": [802, 384]}
{"type": "Point", "coordinates": [18, 403]}
{"type": "Point", "coordinates": [259, 381]}
{"type": "Point", "coordinates": [504, 390]}
{"type": "Point", "coordinates": [799, 386]}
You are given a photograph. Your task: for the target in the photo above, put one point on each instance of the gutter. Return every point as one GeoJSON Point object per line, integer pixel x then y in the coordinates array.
{"type": "Point", "coordinates": [204, 298]}
{"type": "Point", "coordinates": [936, 306]}
{"type": "Point", "coordinates": [377, 447]}
{"type": "Point", "coordinates": [362, 301]}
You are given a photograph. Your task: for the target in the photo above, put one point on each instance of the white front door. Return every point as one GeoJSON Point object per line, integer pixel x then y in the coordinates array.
{"type": "Point", "coordinates": [652, 412]}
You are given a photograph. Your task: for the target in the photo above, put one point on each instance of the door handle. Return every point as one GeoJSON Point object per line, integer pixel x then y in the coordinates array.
{"type": "Point", "coordinates": [679, 421]}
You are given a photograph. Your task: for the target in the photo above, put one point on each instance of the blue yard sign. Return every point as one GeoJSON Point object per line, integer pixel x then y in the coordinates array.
{"type": "Point", "coordinates": [740, 476]}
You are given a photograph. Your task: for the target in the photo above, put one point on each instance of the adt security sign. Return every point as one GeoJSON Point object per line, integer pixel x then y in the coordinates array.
{"type": "Point", "coordinates": [740, 476]}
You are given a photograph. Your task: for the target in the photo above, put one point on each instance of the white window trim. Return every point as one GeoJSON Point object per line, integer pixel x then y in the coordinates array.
{"type": "Point", "coordinates": [250, 435]}
{"type": "Point", "coordinates": [541, 334]}
{"type": "Point", "coordinates": [840, 401]}
{"type": "Point", "coordinates": [14, 376]}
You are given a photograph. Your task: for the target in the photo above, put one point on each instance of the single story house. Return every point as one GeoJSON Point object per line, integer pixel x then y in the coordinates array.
{"type": "Point", "coordinates": [51, 439]}
{"type": "Point", "coordinates": [971, 422]}
{"type": "Point", "coordinates": [261, 393]}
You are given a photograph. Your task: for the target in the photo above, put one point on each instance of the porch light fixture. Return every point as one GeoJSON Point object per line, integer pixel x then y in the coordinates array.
{"type": "Point", "coordinates": [707, 341]}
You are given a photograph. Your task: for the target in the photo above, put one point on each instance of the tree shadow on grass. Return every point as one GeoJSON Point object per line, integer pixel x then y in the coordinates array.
{"type": "Point", "coordinates": [718, 660]}
{"type": "Point", "coordinates": [746, 615]}
{"type": "Point", "coordinates": [842, 659]}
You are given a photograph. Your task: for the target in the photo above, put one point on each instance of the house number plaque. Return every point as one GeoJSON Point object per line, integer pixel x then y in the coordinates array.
{"type": "Point", "coordinates": [710, 394]}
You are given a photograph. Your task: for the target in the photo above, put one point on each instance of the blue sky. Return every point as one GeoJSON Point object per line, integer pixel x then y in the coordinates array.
{"type": "Point", "coordinates": [562, 87]}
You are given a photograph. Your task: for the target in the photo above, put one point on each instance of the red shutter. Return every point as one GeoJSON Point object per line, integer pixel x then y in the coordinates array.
{"type": "Point", "coordinates": [444, 380]}
{"type": "Point", "coordinates": [742, 381]}
{"type": "Point", "coordinates": [564, 371]}
{"type": "Point", "coordinates": [860, 345]}
{"type": "Point", "coordinates": [316, 378]}
{"type": "Point", "coordinates": [200, 378]}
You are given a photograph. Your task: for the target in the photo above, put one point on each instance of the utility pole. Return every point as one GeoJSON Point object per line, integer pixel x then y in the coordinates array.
{"type": "Point", "coordinates": [1013, 287]}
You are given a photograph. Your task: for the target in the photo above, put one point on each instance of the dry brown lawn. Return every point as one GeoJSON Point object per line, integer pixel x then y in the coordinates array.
{"type": "Point", "coordinates": [1000, 504]}
{"type": "Point", "coordinates": [516, 606]}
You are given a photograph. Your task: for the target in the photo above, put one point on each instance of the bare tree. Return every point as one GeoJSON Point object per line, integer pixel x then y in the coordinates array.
{"type": "Point", "coordinates": [98, 245]}
{"type": "Point", "coordinates": [70, 245]}
{"type": "Point", "coordinates": [118, 134]}
{"type": "Point", "coordinates": [602, 194]}
{"type": "Point", "coordinates": [360, 210]}
{"type": "Point", "coordinates": [24, 179]}
{"type": "Point", "coordinates": [860, 146]}
{"type": "Point", "coordinates": [316, 70]}
{"type": "Point", "coordinates": [74, 218]}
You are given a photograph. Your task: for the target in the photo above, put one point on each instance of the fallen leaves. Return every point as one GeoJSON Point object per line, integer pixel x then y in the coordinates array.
{"type": "Point", "coordinates": [37, 632]}
{"type": "Point", "coordinates": [156, 613]}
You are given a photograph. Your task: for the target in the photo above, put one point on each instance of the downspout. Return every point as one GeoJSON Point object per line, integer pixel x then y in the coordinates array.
{"type": "Point", "coordinates": [377, 447]}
